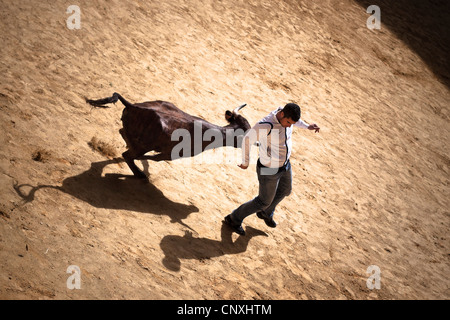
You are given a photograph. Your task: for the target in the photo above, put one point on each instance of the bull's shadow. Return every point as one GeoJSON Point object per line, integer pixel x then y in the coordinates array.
{"type": "Point", "coordinates": [115, 191]}
{"type": "Point", "coordinates": [190, 247]}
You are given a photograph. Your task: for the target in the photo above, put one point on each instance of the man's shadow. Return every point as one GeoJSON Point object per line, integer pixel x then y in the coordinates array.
{"type": "Point", "coordinates": [115, 191]}
{"type": "Point", "coordinates": [189, 247]}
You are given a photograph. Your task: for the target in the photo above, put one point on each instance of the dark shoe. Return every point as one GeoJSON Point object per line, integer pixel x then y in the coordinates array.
{"type": "Point", "coordinates": [236, 227]}
{"type": "Point", "coordinates": [269, 221]}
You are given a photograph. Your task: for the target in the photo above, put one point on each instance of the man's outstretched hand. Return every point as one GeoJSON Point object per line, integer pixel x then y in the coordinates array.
{"type": "Point", "coordinates": [314, 127]}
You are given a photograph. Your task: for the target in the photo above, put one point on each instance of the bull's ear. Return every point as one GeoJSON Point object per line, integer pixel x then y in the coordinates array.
{"type": "Point", "coordinates": [229, 116]}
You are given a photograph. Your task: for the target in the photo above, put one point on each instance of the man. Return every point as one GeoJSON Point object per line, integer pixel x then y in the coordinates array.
{"type": "Point", "coordinates": [273, 168]}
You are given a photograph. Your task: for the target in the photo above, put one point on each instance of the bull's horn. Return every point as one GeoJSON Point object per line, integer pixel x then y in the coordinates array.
{"type": "Point", "coordinates": [239, 108]}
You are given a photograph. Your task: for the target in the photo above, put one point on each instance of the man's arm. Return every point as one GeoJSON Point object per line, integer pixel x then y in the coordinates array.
{"type": "Point", "coordinates": [252, 136]}
{"type": "Point", "coordinates": [302, 124]}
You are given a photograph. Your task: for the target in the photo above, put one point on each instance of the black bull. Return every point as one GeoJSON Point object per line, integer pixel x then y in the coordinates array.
{"type": "Point", "coordinates": [150, 126]}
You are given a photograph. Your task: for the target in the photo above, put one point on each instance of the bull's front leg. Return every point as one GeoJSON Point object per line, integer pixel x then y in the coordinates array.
{"type": "Point", "coordinates": [129, 157]}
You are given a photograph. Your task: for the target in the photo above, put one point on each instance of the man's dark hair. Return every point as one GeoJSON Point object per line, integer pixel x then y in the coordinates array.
{"type": "Point", "coordinates": [292, 110]}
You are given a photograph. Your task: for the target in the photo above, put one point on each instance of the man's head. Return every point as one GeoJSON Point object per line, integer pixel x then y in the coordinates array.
{"type": "Point", "coordinates": [289, 115]}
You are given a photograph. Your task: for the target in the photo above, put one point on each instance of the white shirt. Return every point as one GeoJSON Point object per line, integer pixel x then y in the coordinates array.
{"type": "Point", "coordinates": [275, 143]}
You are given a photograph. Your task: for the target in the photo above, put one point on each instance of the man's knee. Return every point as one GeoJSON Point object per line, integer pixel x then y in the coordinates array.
{"type": "Point", "coordinates": [262, 203]}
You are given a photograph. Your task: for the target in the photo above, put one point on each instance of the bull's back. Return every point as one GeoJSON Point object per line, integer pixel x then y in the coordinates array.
{"type": "Point", "coordinates": [149, 125]}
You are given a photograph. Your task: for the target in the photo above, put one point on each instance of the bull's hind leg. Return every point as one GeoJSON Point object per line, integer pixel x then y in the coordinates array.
{"type": "Point", "coordinates": [129, 156]}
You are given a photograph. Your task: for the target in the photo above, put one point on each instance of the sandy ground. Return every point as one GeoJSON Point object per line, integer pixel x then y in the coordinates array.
{"type": "Point", "coordinates": [371, 189]}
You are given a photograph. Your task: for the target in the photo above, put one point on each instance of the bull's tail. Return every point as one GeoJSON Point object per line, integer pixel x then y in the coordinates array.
{"type": "Point", "coordinates": [115, 97]}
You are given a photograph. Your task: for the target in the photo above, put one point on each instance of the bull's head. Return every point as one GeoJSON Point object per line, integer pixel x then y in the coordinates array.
{"type": "Point", "coordinates": [235, 120]}
{"type": "Point", "coordinates": [238, 123]}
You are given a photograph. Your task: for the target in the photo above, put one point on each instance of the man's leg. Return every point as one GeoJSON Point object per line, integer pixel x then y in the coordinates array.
{"type": "Point", "coordinates": [267, 190]}
{"type": "Point", "coordinates": [283, 190]}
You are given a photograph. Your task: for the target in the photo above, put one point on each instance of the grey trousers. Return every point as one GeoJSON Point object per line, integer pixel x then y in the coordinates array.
{"type": "Point", "coordinates": [272, 189]}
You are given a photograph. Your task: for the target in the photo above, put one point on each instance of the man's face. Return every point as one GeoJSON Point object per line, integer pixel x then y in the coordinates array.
{"type": "Point", "coordinates": [286, 122]}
